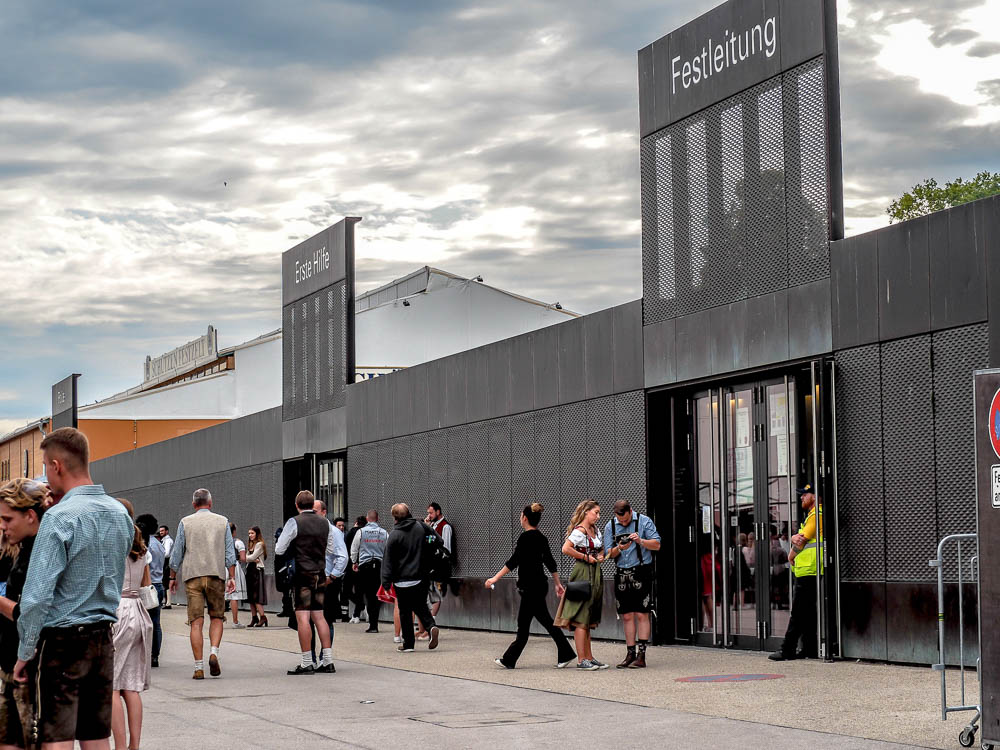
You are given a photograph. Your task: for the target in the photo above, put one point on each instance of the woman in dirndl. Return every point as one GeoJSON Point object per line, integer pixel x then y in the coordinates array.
{"type": "Point", "coordinates": [132, 636]}
{"type": "Point", "coordinates": [238, 594]}
{"type": "Point", "coordinates": [584, 543]}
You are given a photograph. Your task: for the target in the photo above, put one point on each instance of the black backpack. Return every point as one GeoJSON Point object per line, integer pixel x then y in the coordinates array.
{"type": "Point", "coordinates": [435, 560]}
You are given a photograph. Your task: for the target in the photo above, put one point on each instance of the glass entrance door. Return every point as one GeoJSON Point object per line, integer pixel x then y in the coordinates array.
{"type": "Point", "coordinates": [751, 450]}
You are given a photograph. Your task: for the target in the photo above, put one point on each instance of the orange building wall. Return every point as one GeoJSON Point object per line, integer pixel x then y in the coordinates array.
{"type": "Point", "coordinates": [13, 451]}
{"type": "Point", "coordinates": [109, 437]}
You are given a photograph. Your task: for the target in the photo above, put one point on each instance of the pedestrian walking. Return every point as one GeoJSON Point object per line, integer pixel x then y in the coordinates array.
{"type": "Point", "coordinates": [532, 557]}
{"type": "Point", "coordinates": [630, 540]}
{"type": "Point", "coordinates": [70, 598]}
{"type": "Point", "coordinates": [256, 590]}
{"type": "Point", "coordinates": [204, 552]}
{"type": "Point", "coordinates": [355, 593]}
{"type": "Point", "coordinates": [367, 552]}
{"type": "Point", "coordinates": [582, 613]}
{"type": "Point", "coordinates": [239, 592]}
{"type": "Point", "coordinates": [22, 504]}
{"type": "Point", "coordinates": [336, 565]}
{"type": "Point", "coordinates": [803, 559]}
{"type": "Point", "coordinates": [163, 534]}
{"type": "Point", "coordinates": [307, 539]}
{"type": "Point", "coordinates": [404, 568]}
{"type": "Point", "coordinates": [157, 557]}
{"type": "Point", "coordinates": [132, 636]}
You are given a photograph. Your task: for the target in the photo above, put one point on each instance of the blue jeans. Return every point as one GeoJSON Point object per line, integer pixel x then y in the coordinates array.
{"type": "Point", "coordinates": [154, 615]}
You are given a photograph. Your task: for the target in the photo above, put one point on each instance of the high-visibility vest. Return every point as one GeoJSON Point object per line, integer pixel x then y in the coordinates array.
{"type": "Point", "coordinates": [804, 563]}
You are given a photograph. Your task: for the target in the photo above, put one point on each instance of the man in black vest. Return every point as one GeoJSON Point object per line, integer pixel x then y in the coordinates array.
{"type": "Point", "coordinates": [307, 538]}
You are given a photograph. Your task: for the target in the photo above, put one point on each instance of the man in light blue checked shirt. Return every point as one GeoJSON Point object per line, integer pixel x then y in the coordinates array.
{"type": "Point", "coordinates": [630, 540]}
{"type": "Point", "coordinates": [71, 599]}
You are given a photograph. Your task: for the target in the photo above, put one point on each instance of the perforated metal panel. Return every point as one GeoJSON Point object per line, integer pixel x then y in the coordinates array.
{"type": "Point", "coordinates": [735, 198]}
{"type": "Point", "coordinates": [957, 353]}
{"type": "Point", "coordinates": [908, 447]}
{"type": "Point", "coordinates": [601, 450]}
{"type": "Point", "coordinates": [437, 466]}
{"type": "Point", "coordinates": [419, 465]}
{"type": "Point", "coordinates": [806, 174]}
{"type": "Point", "coordinates": [630, 449]}
{"type": "Point", "coordinates": [476, 511]}
{"type": "Point", "coordinates": [503, 514]}
{"type": "Point", "coordinates": [249, 496]}
{"type": "Point", "coordinates": [859, 465]}
{"type": "Point", "coordinates": [522, 460]}
{"type": "Point", "coordinates": [314, 352]}
{"type": "Point", "coordinates": [385, 479]}
{"type": "Point", "coordinates": [403, 484]}
{"type": "Point", "coordinates": [547, 479]}
{"type": "Point", "coordinates": [458, 467]}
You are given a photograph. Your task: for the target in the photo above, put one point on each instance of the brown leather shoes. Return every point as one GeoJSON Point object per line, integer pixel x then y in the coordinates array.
{"type": "Point", "coordinates": [629, 658]}
{"type": "Point", "coordinates": [199, 674]}
{"type": "Point", "coordinates": [639, 662]}
{"type": "Point", "coordinates": [213, 666]}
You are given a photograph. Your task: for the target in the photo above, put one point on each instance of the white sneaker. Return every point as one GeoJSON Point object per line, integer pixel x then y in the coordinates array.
{"type": "Point", "coordinates": [397, 639]}
{"type": "Point", "coordinates": [564, 664]}
{"type": "Point", "coordinates": [353, 621]}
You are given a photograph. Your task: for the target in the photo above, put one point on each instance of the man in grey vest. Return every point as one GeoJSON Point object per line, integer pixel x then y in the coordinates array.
{"type": "Point", "coordinates": [204, 547]}
{"type": "Point", "coordinates": [367, 551]}
{"type": "Point", "coordinates": [307, 538]}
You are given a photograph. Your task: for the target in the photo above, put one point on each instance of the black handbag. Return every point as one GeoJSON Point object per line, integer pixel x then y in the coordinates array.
{"type": "Point", "coordinates": [578, 591]}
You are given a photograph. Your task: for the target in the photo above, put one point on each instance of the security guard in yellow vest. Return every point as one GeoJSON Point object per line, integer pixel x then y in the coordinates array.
{"type": "Point", "coordinates": [803, 557]}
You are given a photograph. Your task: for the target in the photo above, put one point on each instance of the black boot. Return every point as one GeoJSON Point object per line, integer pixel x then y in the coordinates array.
{"type": "Point", "coordinates": [629, 658]}
{"type": "Point", "coordinates": [253, 622]}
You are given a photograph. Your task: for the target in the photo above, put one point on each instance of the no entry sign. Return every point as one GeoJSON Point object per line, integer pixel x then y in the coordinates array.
{"type": "Point", "coordinates": [994, 423]}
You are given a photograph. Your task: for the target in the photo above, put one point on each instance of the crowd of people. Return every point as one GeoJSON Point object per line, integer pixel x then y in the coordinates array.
{"type": "Point", "coordinates": [87, 579]}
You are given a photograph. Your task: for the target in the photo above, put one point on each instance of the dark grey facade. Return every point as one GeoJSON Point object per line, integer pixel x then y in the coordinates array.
{"type": "Point", "coordinates": [767, 353]}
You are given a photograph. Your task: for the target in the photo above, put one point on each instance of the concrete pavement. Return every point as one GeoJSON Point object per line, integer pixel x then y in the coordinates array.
{"type": "Point", "coordinates": [456, 697]}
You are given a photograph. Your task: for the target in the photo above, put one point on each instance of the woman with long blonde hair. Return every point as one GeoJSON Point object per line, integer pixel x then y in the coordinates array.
{"type": "Point", "coordinates": [582, 613]}
{"type": "Point", "coordinates": [22, 503]}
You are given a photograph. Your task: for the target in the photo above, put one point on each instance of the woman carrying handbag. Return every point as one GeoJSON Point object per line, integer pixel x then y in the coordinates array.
{"type": "Point", "coordinates": [532, 556]}
{"type": "Point", "coordinates": [580, 608]}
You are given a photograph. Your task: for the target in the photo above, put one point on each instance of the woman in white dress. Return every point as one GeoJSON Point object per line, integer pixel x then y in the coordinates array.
{"type": "Point", "coordinates": [132, 636]}
{"type": "Point", "coordinates": [239, 594]}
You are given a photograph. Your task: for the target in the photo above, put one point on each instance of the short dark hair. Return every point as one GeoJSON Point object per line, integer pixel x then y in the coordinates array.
{"type": "Point", "coordinates": [435, 505]}
{"type": "Point", "coordinates": [164, 526]}
{"type": "Point", "coordinates": [339, 519]}
{"type": "Point", "coordinates": [147, 524]}
{"type": "Point", "coordinates": [304, 500]}
{"type": "Point", "coordinates": [360, 521]}
{"type": "Point", "coordinates": [71, 445]}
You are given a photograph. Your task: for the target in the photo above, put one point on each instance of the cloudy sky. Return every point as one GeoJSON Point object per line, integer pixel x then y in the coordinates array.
{"type": "Point", "coordinates": [156, 158]}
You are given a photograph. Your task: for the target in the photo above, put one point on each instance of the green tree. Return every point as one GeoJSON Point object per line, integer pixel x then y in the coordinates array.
{"type": "Point", "coordinates": [928, 196]}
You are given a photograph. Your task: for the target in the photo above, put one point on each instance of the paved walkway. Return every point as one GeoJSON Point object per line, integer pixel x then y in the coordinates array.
{"type": "Point", "coordinates": [417, 697]}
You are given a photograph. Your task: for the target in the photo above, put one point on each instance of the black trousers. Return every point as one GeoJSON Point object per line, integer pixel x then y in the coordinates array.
{"type": "Point", "coordinates": [413, 601]}
{"type": "Point", "coordinates": [534, 607]}
{"type": "Point", "coordinates": [802, 622]}
{"type": "Point", "coordinates": [355, 594]}
{"type": "Point", "coordinates": [370, 578]}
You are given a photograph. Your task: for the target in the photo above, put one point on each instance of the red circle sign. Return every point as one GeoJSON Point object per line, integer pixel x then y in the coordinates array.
{"type": "Point", "coordinates": [993, 425]}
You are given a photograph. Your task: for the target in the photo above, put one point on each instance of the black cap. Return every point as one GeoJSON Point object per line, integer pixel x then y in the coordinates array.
{"type": "Point", "coordinates": [804, 490]}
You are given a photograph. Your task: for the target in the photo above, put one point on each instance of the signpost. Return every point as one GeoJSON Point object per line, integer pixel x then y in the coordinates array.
{"type": "Point", "coordinates": [64, 403]}
{"type": "Point", "coordinates": [987, 420]}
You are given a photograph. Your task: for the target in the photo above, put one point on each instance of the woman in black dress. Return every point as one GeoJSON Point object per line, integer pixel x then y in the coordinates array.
{"type": "Point", "coordinates": [532, 555]}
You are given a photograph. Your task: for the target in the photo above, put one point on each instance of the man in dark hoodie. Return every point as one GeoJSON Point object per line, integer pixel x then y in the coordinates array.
{"type": "Point", "coordinates": [402, 567]}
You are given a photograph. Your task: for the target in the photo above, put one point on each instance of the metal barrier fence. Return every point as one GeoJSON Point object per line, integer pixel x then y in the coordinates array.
{"type": "Point", "coordinates": [967, 736]}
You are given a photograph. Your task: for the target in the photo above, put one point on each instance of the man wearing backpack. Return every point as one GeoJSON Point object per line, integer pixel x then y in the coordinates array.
{"type": "Point", "coordinates": [436, 520]}
{"type": "Point", "coordinates": [405, 567]}
{"type": "Point", "coordinates": [630, 539]}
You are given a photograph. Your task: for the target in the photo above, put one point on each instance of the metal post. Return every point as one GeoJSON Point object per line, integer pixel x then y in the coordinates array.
{"type": "Point", "coordinates": [791, 488]}
{"type": "Point", "coordinates": [819, 517]}
{"type": "Point", "coordinates": [713, 431]}
{"type": "Point", "coordinates": [835, 504]}
{"type": "Point", "coordinates": [961, 624]}
{"type": "Point", "coordinates": [723, 503]}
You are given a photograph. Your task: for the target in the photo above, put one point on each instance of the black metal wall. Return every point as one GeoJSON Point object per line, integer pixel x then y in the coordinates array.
{"type": "Point", "coordinates": [484, 473]}
{"type": "Point", "coordinates": [735, 198]}
{"type": "Point", "coordinates": [905, 479]}
{"type": "Point", "coordinates": [238, 461]}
